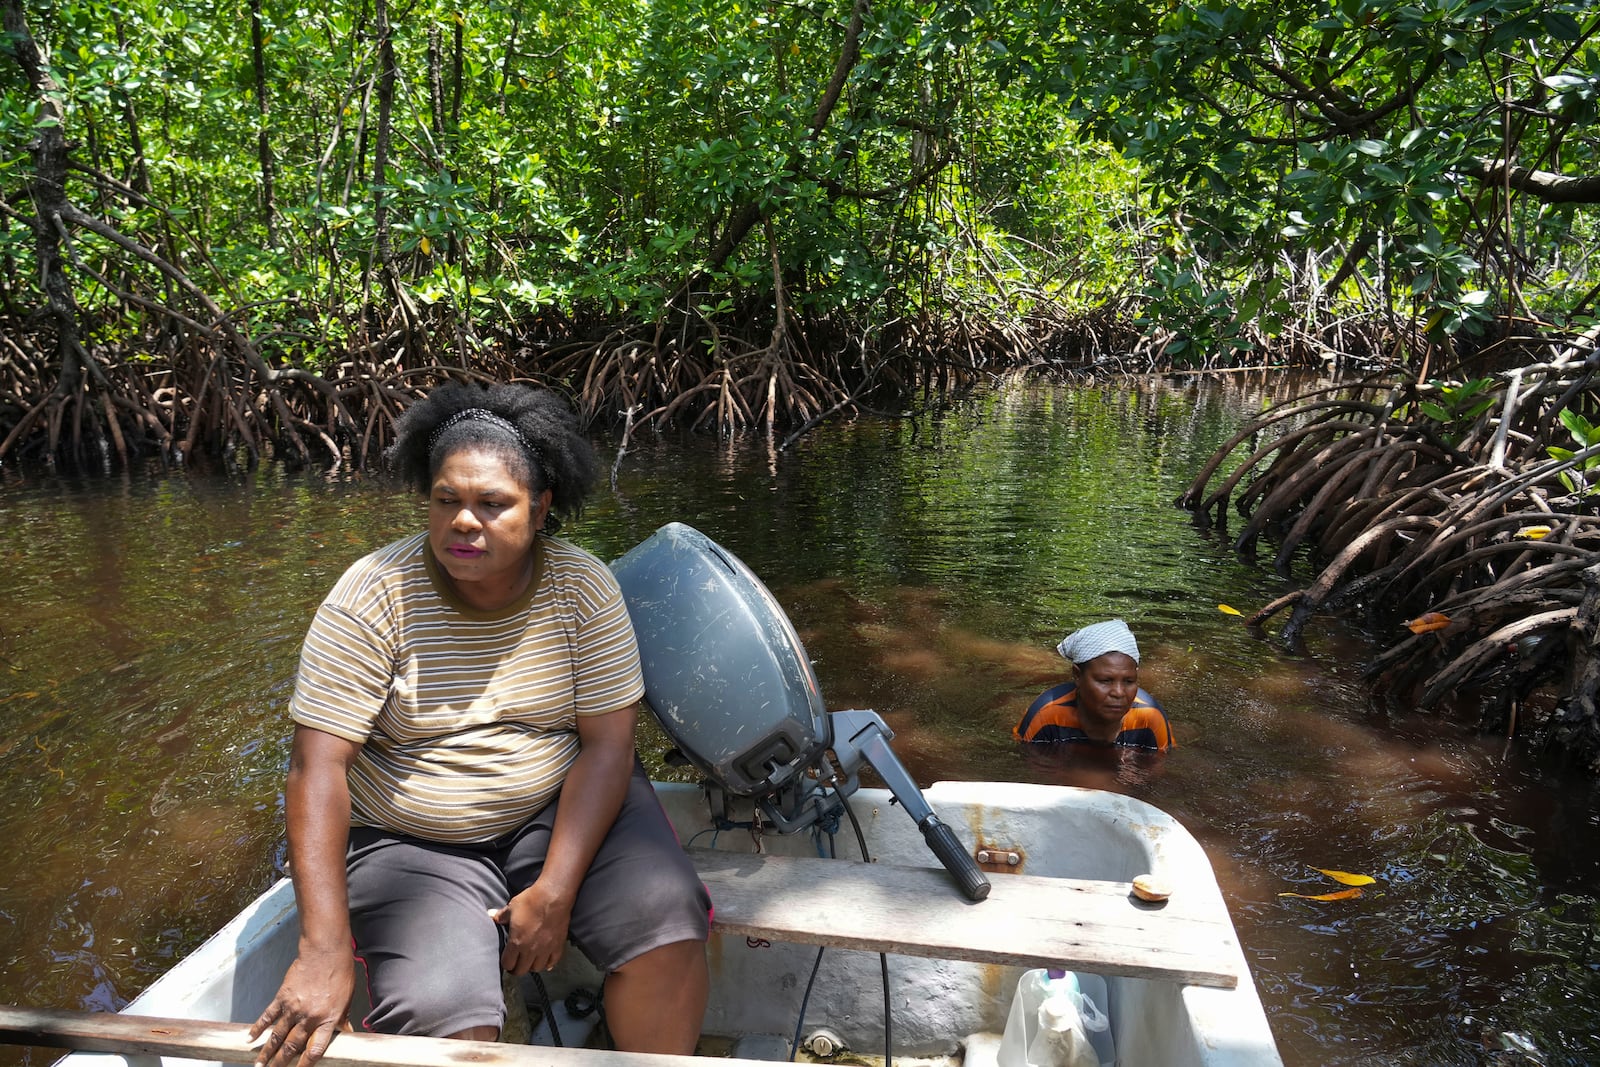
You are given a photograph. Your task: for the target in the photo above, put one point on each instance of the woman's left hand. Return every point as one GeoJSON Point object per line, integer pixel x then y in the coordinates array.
{"type": "Point", "coordinates": [536, 934]}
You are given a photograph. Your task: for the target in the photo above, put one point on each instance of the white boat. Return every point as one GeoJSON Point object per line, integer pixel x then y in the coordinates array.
{"type": "Point", "coordinates": [1034, 877]}
{"type": "Point", "coordinates": [1075, 851]}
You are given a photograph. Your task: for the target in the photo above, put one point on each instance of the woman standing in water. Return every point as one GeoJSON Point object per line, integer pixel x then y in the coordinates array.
{"type": "Point", "coordinates": [1103, 703]}
{"type": "Point", "coordinates": [463, 795]}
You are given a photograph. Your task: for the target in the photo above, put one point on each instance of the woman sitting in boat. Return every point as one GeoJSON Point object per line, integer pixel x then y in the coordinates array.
{"type": "Point", "coordinates": [463, 796]}
{"type": "Point", "coordinates": [1103, 703]}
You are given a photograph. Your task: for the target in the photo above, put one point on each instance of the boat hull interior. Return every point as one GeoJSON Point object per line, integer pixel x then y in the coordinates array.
{"type": "Point", "coordinates": [940, 1009]}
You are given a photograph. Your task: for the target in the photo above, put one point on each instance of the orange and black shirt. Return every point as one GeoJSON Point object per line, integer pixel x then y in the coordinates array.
{"type": "Point", "coordinates": [1054, 717]}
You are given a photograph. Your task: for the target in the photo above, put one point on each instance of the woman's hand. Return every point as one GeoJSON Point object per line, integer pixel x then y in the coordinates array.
{"type": "Point", "coordinates": [538, 917]}
{"type": "Point", "coordinates": [536, 935]}
{"type": "Point", "coordinates": [313, 1002]}
{"type": "Point", "coordinates": [312, 1005]}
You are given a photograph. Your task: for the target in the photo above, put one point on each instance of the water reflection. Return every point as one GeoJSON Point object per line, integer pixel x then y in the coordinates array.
{"type": "Point", "coordinates": [150, 630]}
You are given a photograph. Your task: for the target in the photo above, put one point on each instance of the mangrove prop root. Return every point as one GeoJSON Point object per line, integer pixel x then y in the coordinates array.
{"type": "Point", "coordinates": [1449, 554]}
{"type": "Point", "coordinates": [1490, 647]}
{"type": "Point", "coordinates": [197, 385]}
{"type": "Point", "coordinates": [1279, 502]}
{"type": "Point", "coordinates": [1319, 590]}
{"type": "Point", "coordinates": [1279, 414]}
{"type": "Point", "coordinates": [1478, 519]}
{"type": "Point", "coordinates": [1576, 723]}
{"type": "Point", "coordinates": [1478, 613]}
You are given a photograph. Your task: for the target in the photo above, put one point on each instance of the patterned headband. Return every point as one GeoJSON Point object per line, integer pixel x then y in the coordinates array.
{"type": "Point", "coordinates": [481, 415]}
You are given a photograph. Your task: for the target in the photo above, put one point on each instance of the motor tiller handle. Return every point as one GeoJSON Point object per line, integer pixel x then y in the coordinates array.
{"type": "Point", "coordinates": [864, 735]}
{"type": "Point", "coordinates": [942, 840]}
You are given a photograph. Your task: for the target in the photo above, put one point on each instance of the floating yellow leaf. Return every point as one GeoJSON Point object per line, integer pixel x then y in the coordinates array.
{"type": "Point", "coordinates": [1343, 894]}
{"type": "Point", "coordinates": [1226, 610]}
{"type": "Point", "coordinates": [1346, 878]}
{"type": "Point", "coordinates": [1433, 620]}
{"type": "Point", "coordinates": [1533, 533]}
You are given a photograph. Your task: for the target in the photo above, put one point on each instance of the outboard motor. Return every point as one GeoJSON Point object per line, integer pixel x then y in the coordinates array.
{"type": "Point", "coordinates": [727, 678]}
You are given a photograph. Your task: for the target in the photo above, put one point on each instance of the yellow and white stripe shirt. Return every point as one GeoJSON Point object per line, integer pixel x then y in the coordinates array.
{"type": "Point", "coordinates": [467, 719]}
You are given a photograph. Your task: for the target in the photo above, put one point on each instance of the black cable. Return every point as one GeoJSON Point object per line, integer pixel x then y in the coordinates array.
{"type": "Point", "coordinates": [544, 1005]}
{"type": "Point", "coordinates": [800, 1023]}
{"type": "Point", "coordinates": [805, 998]}
{"type": "Point", "coordinates": [888, 1039]}
{"type": "Point", "coordinates": [883, 959]}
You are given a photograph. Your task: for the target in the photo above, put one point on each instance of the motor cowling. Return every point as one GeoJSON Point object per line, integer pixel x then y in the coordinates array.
{"type": "Point", "coordinates": [728, 680]}
{"type": "Point", "coordinates": [725, 673]}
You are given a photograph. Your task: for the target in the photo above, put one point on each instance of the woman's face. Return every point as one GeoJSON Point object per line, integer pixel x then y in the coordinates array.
{"type": "Point", "coordinates": [482, 520]}
{"type": "Point", "coordinates": [1107, 685]}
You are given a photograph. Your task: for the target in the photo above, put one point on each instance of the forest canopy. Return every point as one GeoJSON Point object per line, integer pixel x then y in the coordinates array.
{"type": "Point", "coordinates": [256, 226]}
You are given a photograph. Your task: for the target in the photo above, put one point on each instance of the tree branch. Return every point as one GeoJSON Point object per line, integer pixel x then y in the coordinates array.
{"type": "Point", "coordinates": [1543, 185]}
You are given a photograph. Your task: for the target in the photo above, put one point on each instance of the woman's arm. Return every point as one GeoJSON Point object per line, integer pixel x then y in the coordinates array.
{"type": "Point", "coordinates": [313, 1002]}
{"type": "Point", "coordinates": [590, 799]}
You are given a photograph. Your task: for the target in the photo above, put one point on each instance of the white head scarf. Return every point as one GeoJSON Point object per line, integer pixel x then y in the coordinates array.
{"type": "Point", "coordinates": [1083, 645]}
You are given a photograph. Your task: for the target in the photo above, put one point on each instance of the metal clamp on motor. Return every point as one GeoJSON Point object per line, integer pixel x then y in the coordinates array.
{"type": "Point", "coordinates": [727, 678]}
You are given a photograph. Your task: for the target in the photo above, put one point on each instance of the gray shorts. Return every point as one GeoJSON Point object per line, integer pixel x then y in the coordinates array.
{"type": "Point", "coordinates": [419, 911]}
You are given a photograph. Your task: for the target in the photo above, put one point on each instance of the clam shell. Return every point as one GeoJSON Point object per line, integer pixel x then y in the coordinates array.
{"type": "Point", "coordinates": [1149, 887]}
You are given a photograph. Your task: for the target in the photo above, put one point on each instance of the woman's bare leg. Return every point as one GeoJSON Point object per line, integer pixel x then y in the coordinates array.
{"type": "Point", "coordinates": [656, 1002]}
{"type": "Point", "coordinates": [477, 1033]}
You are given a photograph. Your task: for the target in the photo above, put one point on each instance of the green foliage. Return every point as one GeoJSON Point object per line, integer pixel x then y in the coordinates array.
{"type": "Point", "coordinates": [1204, 318]}
{"type": "Point", "coordinates": [1584, 435]}
{"type": "Point", "coordinates": [1455, 406]}
{"type": "Point", "coordinates": [1222, 163]}
{"type": "Point", "coordinates": [1348, 134]}
{"type": "Point", "coordinates": [594, 154]}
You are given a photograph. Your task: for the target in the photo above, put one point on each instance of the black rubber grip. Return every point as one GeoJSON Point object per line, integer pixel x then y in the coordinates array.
{"type": "Point", "coordinates": [969, 876]}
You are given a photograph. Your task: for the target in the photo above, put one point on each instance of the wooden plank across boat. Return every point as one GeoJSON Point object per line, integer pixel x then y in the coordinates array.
{"type": "Point", "coordinates": [190, 1039]}
{"type": "Point", "coordinates": [1071, 923]}
{"type": "Point", "coordinates": [1179, 987]}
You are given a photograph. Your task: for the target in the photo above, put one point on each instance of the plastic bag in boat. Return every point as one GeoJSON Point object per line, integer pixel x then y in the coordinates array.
{"type": "Point", "coordinates": [1054, 1023]}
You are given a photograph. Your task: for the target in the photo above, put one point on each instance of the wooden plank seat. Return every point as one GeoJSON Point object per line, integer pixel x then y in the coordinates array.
{"type": "Point", "coordinates": [1027, 921]}
{"type": "Point", "coordinates": [193, 1039]}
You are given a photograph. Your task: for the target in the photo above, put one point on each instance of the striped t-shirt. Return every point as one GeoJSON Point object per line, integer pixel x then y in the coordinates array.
{"type": "Point", "coordinates": [467, 719]}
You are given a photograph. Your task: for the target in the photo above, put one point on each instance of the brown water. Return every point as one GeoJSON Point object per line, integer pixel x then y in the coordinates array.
{"type": "Point", "coordinates": [149, 629]}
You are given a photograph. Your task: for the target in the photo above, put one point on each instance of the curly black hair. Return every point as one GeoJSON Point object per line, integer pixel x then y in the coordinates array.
{"type": "Point", "coordinates": [547, 450]}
